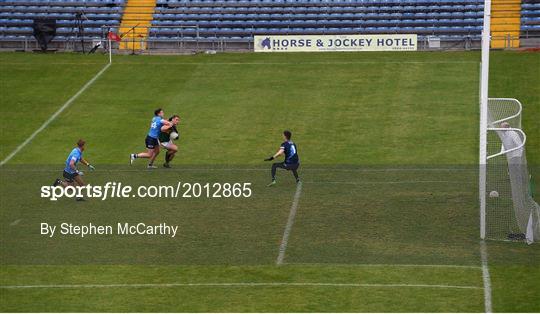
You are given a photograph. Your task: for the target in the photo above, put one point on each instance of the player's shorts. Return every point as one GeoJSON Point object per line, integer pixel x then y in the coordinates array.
{"type": "Point", "coordinates": [151, 142]}
{"type": "Point", "coordinates": [291, 166]}
{"type": "Point", "coordinates": [165, 144]}
{"type": "Point", "coordinates": [70, 176]}
{"type": "Point", "coordinates": [285, 166]}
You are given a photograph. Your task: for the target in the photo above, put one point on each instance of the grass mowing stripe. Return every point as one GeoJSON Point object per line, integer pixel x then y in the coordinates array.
{"type": "Point", "coordinates": [260, 63]}
{"type": "Point", "coordinates": [383, 182]}
{"type": "Point", "coordinates": [240, 284]}
{"type": "Point", "coordinates": [288, 227]}
{"type": "Point", "coordinates": [301, 63]}
{"type": "Point", "coordinates": [56, 114]}
{"type": "Point", "coordinates": [249, 169]}
{"type": "Point", "coordinates": [388, 265]}
{"type": "Point", "coordinates": [486, 277]}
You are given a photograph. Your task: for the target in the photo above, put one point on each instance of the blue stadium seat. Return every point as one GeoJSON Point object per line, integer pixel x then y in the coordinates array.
{"type": "Point", "coordinates": [237, 19]}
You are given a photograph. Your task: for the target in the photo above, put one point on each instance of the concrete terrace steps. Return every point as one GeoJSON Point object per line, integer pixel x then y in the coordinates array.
{"type": "Point", "coordinates": [137, 13]}
{"type": "Point", "coordinates": [505, 23]}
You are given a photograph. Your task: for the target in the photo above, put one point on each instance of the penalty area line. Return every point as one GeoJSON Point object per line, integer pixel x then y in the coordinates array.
{"type": "Point", "coordinates": [56, 114]}
{"type": "Point", "coordinates": [288, 227]}
{"type": "Point", "coordinates": [242, 284]}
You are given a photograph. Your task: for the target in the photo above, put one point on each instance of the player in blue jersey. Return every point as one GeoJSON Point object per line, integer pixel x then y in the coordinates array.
{"type": "Point", "coordinates": [291, 162]}
{"type": "Point", "coordinates": [152, 139]}
{"type": "Point", "coordinates": [72, 176]}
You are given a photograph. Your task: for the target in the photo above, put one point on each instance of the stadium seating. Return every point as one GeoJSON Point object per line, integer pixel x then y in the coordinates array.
{"type": "Point", "coordinates": [16, 17]}
{"type": "Point", "coordinates": [530, 18]}
{"type": "Point", "coordinates": [241, 19]}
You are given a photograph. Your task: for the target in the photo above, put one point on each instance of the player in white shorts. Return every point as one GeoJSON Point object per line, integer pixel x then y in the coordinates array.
{"type": "Point", "coordinates": [168, 134]}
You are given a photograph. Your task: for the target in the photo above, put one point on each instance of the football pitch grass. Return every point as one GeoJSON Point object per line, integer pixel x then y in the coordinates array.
{"type": "Point", "coordinates": [386, 218]}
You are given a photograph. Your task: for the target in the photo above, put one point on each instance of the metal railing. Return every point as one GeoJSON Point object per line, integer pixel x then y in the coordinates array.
{"type": "Point", "coordinates": [177, 41]}
{"type": "Point", "coordinates": [190, 39]}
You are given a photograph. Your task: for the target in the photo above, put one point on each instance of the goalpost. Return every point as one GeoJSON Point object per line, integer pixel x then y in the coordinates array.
{"type": "Point", "coordinates": [507, 208]}
{"type": "Point", "coordinates": [484, 76]}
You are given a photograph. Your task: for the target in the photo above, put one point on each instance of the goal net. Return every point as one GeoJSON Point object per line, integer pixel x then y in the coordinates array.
{"type": "Point", "coordinates": [511, 213]}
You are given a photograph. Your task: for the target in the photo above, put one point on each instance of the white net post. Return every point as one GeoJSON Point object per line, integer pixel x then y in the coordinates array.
{"type": "Point", "coordinates": [484, 79]}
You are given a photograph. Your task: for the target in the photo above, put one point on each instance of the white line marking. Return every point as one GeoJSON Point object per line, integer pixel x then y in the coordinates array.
{"type": "Point", "coordinates": [389, 265]}
{"type": "Point", "coordinates": [51, 63]}
{"type": "Point", "coordinates": [16, 222]}
{"type": "Point", "coordinates": [486, 277]}
{"type": "Point", "coordinates": [239, 284]}
{"type": "Point", "coordinates": [288, 227]}
{"type": "Point", "coordinates": [58, 112]}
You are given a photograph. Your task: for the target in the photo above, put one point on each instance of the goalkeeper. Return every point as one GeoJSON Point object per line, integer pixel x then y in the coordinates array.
{"type": "Point", "coordinates": [291, 163]}
{"type": "Point", "coordinates": [167, 134]}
